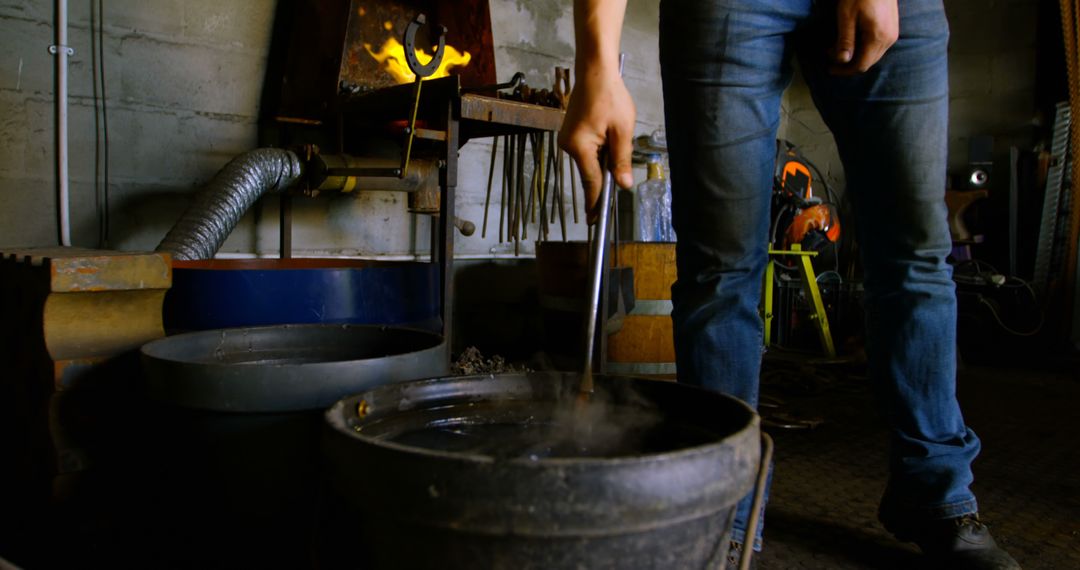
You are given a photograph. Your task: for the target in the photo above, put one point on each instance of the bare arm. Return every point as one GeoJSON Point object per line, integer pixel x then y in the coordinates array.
{"type": "Point", "coordinates": [866, 29]}
{"type": "Point", "coordinates": [601, 111]}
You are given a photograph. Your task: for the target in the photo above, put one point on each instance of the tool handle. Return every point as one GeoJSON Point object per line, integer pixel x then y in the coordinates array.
{"type": "Point", "coordinates": [759, 501]}
{"type": "Point", "coordinates": [596, 274]}
{"type": "Point", "coordinates": [596, 258]}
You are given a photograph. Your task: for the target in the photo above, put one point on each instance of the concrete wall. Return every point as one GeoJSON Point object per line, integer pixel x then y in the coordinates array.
{"type": "Point", "coordinates": [184, 79]}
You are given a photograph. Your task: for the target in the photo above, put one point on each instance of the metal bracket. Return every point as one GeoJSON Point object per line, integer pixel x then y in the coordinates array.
{"type": "Point", "coordinates": [55, 49]}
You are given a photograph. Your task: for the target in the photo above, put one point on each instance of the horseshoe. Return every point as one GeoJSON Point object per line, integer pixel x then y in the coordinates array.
{"type": "Point", "coordinates": [422, 70]}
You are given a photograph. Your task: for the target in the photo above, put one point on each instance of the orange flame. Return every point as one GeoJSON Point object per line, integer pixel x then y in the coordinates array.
{"type": "Point", "coordinates": [392, 58]}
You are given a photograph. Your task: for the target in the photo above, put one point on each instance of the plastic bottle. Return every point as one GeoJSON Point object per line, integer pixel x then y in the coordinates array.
{"type": "Point", "coordinates": [654, 203]}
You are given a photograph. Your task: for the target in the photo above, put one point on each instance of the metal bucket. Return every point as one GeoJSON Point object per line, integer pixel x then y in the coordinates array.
{"type": "Point", "coordinates": [230, 467]}
{"type": "Point", "coordinates": [437, 475]}
{"type": "Point", "coordinates": [287, 367]}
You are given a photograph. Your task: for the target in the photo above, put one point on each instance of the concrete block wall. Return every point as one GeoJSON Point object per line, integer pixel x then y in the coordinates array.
{"type": "Point", "coordinates": [184, 79]}
{"type": "Point", "coordinates": [182, 83]}
{"type": "Point", "coordinates": [992, 72]}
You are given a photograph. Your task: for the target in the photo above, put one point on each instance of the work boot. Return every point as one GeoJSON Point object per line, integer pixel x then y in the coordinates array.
{"type": "Point", "coordinates": [961, 543]}
{"type": "Point", "coordinates": [734, 556]}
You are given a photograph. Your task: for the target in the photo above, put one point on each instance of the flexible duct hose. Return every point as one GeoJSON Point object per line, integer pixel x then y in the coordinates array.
{"type": "Point", "coordinates": [219, 205]}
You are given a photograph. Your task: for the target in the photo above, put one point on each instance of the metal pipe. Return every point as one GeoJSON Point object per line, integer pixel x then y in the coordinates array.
{"type": "Point", "coordinates": [337, 173]}
{"type": "Point", "coordinates": [219, 205]}
{"type": "Point", "coordinates": [596, 273]}
{"type": "Point", "coordinates": [758, 502]}
{"type": "Point", "coordinates": [61, 51]}
{"type": "Point", "coordinates": [606, 202]}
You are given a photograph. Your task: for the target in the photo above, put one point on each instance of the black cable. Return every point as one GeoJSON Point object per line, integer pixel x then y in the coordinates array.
{"type": "Point", "coordinates": [97, 127]}
{"type": "Point", "coordinates": [982, 275]}
{"type": "Point", "coordinates": [104, 119]}
{"type": "Point", "coordinates": [830, 197]}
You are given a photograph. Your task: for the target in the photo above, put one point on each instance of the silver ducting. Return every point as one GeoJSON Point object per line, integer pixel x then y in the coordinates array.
{"type": "Point", "coordinates": [218, 207]}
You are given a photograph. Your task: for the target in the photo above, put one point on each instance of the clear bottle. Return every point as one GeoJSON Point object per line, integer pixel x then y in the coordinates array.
{"type": "Point", "coordinates": [654, 203]}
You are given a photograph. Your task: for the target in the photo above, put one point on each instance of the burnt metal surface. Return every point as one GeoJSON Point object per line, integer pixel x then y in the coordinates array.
{"type": "Point", "coordinates": [468, 29]}
{"type": "Point", "coordinates": [420, 507]}
{"type": "Point", "coordinates": [478, 109]}
{"type": "Point", "coordinates": [72, 308]}
{"type": "Point", "coordinates": [287, 367]}
{"type": "Point", "coordinates": [320, 49]}
{"type": "Point", "coordinates": [480, 116]}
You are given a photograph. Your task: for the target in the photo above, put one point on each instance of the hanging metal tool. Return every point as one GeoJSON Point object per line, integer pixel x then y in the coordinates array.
{"type": "Point", "coordinates": [421, 70]}
{"type": "Point", "coordinates": [562, 93]}
{"type": "Point", "coordinates": [491, 176]}
{"type": "Point", "coordinates": [516, 81]}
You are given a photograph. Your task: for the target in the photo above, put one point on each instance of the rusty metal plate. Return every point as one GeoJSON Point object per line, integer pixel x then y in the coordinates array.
{"type": "Point", "coordinates": [375, 26]}
{"type": "Point", "coordinates": [73, 269]}
{"type": "Point", "coordinates": [514, 113]}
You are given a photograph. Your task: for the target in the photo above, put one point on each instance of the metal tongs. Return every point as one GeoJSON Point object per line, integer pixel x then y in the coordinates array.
{"type": "Point", "coordinates": [599, 243]}
{"type": "Point", "coordinates": [596, 277]}
{"type": "Point", "coordinates": [596, 259]}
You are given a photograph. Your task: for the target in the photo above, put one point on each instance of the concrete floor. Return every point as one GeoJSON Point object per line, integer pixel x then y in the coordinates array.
{"type": "Point", "coordinates": [827, 480]}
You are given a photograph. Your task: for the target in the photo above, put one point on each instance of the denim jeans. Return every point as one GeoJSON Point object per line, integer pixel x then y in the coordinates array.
{"type": "Point", "coordinates": [725, 65]}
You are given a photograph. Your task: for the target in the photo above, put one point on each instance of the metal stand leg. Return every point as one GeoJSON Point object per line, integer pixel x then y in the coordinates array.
{"type": "Point", "coordinates": [767, 302]}
{"type": "Point", "coordinates": [809, 283]}
{"type": "Point", "coordinates": [448, 183]}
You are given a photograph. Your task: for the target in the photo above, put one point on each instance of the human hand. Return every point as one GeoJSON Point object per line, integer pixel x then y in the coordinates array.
{"type": "Point", "coordinates": [600, 117]}
{"type": "Point", "coordinates": [865, 30]}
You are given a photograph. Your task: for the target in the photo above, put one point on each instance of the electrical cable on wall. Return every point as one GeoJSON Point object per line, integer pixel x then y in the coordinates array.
{"type": "Point", "coordinates": [101, 121]}
{"type": "Point", "coordinates": [97, 124]}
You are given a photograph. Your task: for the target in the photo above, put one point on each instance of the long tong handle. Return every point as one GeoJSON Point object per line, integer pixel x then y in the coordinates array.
{"type": "Point", "coordinates": [596, 257]}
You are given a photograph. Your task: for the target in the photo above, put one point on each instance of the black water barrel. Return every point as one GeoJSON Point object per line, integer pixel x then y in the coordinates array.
{"type": "Point", "coordinates": [416, 464]}
{"type": "Point", "coordinates": [229, 474]}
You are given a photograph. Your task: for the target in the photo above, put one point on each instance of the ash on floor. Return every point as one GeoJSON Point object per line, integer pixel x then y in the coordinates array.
{"type": "Point", "coordinates": [827, 480]}
{"type": "Point", "coordinates": [472, 361]}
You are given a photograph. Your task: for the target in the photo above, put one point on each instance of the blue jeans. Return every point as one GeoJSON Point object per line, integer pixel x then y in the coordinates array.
{"type": "Point", "coordinates": [725, 65]}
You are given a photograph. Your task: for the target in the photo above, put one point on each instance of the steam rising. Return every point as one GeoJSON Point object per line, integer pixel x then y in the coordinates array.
{"type": "Point", "coordinates": [596, 426]}
{"type": "Point", "coordinates": [615, 421]}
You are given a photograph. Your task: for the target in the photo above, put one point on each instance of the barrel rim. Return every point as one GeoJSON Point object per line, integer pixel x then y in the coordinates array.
{"type": "Point", "coordinates": [289, 264]}
{"type": "Point", "coordinates": [335, 421]}
{"type": "Point", "coordinates": [305, 385]}
{"type": "Point", "coordinates": [154, 349]}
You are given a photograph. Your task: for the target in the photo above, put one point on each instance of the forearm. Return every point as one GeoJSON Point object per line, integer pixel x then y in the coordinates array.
{"type": "Point", "coordinates": [601, 111]}
{"type": "Point", "coordinates": [597, 33]}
